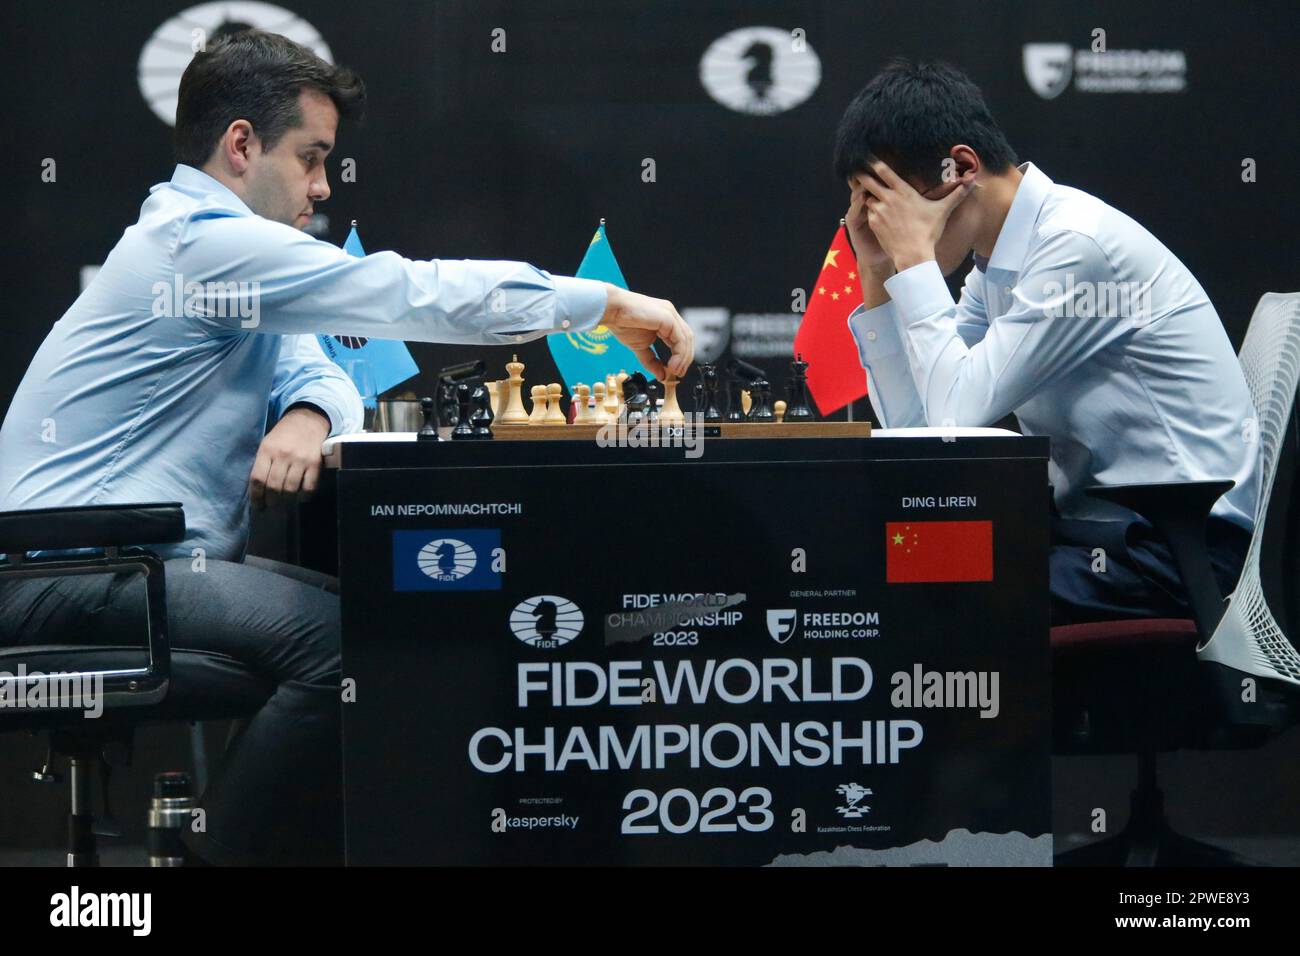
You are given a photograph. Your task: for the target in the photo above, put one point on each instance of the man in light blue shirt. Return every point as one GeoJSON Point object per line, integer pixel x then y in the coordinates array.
{"type": "Point", "coordinates": [1074, 318]}
{"type": "Point", "coordinates": [156, 386]}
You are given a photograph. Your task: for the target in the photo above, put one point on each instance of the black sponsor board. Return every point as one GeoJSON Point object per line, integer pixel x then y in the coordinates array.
{"type": "Point", "coordinates": [565, 654]}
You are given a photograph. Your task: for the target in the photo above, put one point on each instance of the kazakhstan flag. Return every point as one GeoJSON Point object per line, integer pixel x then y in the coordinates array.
{"type": "Point", "coordinates": [374, 365]}
{"type": "Point", "coordinates": [590, 356]}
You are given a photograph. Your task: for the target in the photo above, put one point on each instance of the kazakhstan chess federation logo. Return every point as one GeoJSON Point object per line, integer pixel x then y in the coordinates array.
{"type": "Point", "coordinates": [853, 794]}
{"type": "Point", "coordinates": [546, 621]}
{"type": "Point", "coordinates": [447, 559]}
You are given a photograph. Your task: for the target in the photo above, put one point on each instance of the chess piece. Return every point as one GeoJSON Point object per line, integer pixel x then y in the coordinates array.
{"type": "Point", "coordinates": [652, 402]}
{"type": "Point", "coordinates": [494, 391]}
{"type": "Point", "coordinates": [635, 398]}
{"type": "Point", "coordinates": [798, 409]}
{"type": "Point", "coordinates": [514, 413]}
{"type": "Point", "coordinates": [480, 415]}
{"type": "Point", "coordinates": [429, 430]}
{"type": "Point", "coordinates": [746, 401]}
{"type": "Point", "coordinates": [464, 431]}
{"type": "Point", "coordinates": [735, 410]}
{"type": "Point", "coordinates": [707, 394]}
{"type": "Point", "coordinates": [619, 381]}
{"type": "Point", "coordinates": [448, 410]}
{"type": "Point", "coordinates": [671, 414]}
{"type": "Point", "coordinates": [780, 411]}
{"type": "Point", "coordinates": [539, 405]}
{"type": "Point", "coordinates": [612, 402]}
{"type": "Point", "coordinates": [599, 415]}
{"type": "Point", "coordinates": [582, 414]}
{"type": "Point", "coordinates": [554, 409]}
{"type": "Point", "coordinates": [760, 394]}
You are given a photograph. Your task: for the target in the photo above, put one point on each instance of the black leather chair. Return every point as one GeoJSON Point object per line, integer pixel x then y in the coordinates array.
{"type": "Point", "coordinates": [148, 681]}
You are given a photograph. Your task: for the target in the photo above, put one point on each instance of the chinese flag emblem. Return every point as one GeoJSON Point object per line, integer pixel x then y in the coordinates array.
{"type": "Point", "coordinates": [920, 551]}
{"type": "Point", "coordinates": [835, 375]}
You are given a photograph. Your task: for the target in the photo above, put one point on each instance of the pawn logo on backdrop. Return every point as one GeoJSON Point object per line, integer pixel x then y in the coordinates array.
{"type": "Point", "coordinates": [546, 621]}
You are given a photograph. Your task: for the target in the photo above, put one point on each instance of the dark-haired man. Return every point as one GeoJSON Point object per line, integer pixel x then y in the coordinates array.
{"type": "Point", "coordinates": [156, 386]}
{"type": "Point", "coordinates": [1074, 318]}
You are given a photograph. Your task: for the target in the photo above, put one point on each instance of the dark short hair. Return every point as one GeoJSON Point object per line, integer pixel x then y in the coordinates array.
{"type": "Point", "coordinates": [910, 115]}
{"type": "Point", "coordinates": [256, 76]}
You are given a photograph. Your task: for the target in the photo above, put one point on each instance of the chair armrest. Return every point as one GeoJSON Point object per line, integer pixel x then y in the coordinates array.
{"type": "Point", "coordinates": [92, 526]}
{"type": "Point", "coordinates": [1179, 510]}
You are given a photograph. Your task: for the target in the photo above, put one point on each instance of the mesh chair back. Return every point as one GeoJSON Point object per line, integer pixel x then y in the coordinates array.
{"type": "Point", "coordinates": [1248, 638]}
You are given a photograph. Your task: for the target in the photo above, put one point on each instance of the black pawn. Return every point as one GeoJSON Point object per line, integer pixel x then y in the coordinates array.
{"type": "Point", "coordinates": [429, 430]}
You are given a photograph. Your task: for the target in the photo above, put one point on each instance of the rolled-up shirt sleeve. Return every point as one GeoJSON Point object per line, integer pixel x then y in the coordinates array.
{"type": "Point", "coordinates": [255, 275]}
{"type": "Point", "coordinates": [1049, 330]}
{"type": "Point", "coordinates": [304, 373]}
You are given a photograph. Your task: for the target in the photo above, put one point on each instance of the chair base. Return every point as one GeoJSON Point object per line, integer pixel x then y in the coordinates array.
{"type": "Point", "coordinates": [1148, 839]}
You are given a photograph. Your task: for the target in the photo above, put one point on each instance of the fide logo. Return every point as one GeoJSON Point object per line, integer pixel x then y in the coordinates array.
{"type": "Point", "coordinates": [546, 621]}
{"type": "Point", "coordinates": [447, 559]}
{"type": "Point", "coordinates": [853, 794]}
{"type": "Point", "coordinates": [761, 71]}
{"type": "Point", "coordinates": [782, 624]}
{"type": "Point", "coordinates": [168, 52]}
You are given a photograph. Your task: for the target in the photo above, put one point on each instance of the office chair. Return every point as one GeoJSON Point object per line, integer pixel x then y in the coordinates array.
{"type": "Point", "coordinates": [1228, 678]}
{"type": "Point", "coordinates": [140, 683]}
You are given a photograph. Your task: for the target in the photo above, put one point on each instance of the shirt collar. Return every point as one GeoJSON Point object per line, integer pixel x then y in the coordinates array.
{"type": "Point", "coordinates": [1012, 244]}
{"type": "Point", "coordinates": [196, 182]}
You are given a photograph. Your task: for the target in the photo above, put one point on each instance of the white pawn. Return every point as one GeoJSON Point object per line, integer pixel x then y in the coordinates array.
{"type": "Point", "coordinates": [599, 416]}
{"type": "Point", "coordinates": [554, 411]}
{"type": "Point", "coordinates": [539, 405]}
{"type": "Point", "coordinates": [581, 415]}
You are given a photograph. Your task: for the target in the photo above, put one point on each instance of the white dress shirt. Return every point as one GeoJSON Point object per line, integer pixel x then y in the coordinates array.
{"type": "Point", "coordinates": [152, 389]}
{"type": "Point", "coordinates": [1090, 331]}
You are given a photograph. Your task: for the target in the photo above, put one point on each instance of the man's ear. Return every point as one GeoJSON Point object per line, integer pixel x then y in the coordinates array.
{"type": "Point", "coordinates": [237, 146]}
{"type": "Point", "coordinates": [964, 162]}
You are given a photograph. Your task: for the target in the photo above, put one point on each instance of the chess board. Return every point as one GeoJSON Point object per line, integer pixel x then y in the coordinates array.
{"type": "Point", "coordinates": [727, 430]}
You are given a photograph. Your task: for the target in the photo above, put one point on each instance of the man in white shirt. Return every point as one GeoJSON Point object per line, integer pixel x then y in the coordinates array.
{"type": "Point", "coordinates": [1074, 318]}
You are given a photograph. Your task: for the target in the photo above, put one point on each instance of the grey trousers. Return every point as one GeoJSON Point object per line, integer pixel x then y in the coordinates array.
{"type": "Point", "coordinates": [276, 794]}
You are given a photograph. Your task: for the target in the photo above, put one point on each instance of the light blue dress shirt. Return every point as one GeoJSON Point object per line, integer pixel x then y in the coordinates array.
{"type": "Point", "coordinates": [156, 384]}
{"type": "Point", "coordinates": [1090, 331]}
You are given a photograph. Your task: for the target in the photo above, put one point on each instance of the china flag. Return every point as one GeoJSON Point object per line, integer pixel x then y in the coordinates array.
{"type": "Point", "coordinates": [917, 551]}
{"type": "Point", "coordinates": [835, 375]}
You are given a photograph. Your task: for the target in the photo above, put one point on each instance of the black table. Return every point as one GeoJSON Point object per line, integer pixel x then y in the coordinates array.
{"type": "Point", "coordinates": [802, 650]}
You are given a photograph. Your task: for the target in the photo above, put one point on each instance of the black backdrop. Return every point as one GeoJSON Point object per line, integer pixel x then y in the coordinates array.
{"type": "Point", "coordinates": [468, 153]}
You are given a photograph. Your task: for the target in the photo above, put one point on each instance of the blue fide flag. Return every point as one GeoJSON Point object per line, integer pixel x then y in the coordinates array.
{"type": "Point", "coordinates": [590, 356]}
{"type": "Point", "coordinates": [374, 365]}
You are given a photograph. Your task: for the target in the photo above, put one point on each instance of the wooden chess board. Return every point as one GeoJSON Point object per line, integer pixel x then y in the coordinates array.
{"type": "Point", "coordinates": [718, 430]}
